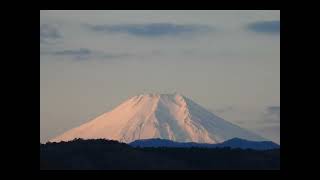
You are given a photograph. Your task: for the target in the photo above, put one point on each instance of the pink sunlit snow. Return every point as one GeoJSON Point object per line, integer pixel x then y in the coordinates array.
{"type": "Point", "coordinates": [166, 116]}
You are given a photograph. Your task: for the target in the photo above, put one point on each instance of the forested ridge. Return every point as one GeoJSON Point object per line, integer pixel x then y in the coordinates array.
{"type": "Point", "coordinates": [103, 154]}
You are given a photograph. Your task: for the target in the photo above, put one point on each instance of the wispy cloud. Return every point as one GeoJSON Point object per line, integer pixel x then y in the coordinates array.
{"type": "Point", "coordinates": [272, 114]}
{"type": "Point", "coordinates": [85, 54]}
{"type": "Point", "coordinates": [266, 27]}
{"type": "Point", "coordinates": [152, 29]}
{"type": "Point", "coordinates": [79, 54]}
{"type": "Point", "coordinates": [240, 122]}
{"type": "Point", "coordinates": [224, 109]}
{"type": "Point", "coordinates": [274, 110]}
{"type": "Point", "coordinates": [48, 32]}
{"type": "Point", "coordinates": [272, 131]}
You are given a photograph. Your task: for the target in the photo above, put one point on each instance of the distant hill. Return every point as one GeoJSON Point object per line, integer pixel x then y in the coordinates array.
{"type": "Point", "coordinates": [246, 144]}
{"type": "Point", "coordinates": [111, 155]}
{"type": "Point", "coordinates": [232, 143]}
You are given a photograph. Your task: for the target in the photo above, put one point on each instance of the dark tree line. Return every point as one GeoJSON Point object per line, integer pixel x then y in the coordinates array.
{"type": "Point", "coordinates": [112, 155]}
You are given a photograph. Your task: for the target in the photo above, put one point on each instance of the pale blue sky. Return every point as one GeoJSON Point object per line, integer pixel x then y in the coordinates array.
{"type": "Point", "coordinates": [227, 61]}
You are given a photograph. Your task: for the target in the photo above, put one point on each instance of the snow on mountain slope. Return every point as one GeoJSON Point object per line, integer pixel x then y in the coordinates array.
{"type": "Point", "coordinates": [165, 116]}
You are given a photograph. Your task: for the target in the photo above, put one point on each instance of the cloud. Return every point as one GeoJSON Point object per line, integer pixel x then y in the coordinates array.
{"type": "Point", "coordinates": [240, 122]}
{"type": "Point", "coordinates": [80, 52]}
{"type": "Point", "coordinates": [84, 54]}
{"type": "Point", "coordinates": [48, 32]}
{"type": "Point", "coordinates": [224, 109]}
{"type": "Point", "coordinates": [266, 27]}
{"type": "Point", "coordinates": [274, 110]}
{"type": "Point", "coordinates": [270, 131]}
{"type": "Point", "coordinates": [272, 128]}
{"type": "Point", "coordinates": [152, 29]}
{"type": "Point", "coordinates": [272, 114]}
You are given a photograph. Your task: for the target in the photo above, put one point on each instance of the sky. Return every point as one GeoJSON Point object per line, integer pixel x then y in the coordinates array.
{"type": "Point", "coordinates": [226, 61]}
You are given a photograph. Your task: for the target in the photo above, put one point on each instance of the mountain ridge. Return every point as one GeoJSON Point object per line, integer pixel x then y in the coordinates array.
{"type": "Point", "coordinates": [231, 143]}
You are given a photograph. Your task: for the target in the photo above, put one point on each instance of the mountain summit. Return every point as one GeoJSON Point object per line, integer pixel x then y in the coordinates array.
{"type": "Point", "coordinates": [166, 116]}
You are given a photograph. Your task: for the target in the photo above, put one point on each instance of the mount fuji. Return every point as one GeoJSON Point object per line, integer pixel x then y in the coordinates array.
{"type": "Point", "coordinates": [165, 116]}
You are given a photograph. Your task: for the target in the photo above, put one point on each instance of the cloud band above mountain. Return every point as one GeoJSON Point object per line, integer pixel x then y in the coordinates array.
{"type": "Point", "coordinates": [266, 27]}
{"type": "Point", "coordinates": [152, 29]}
{"type": "Point", "coordinates": [48, 32]}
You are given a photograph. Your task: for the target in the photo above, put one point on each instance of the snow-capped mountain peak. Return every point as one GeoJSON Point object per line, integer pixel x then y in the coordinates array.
{"type": "Point", "coordinates": [167, 116]}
